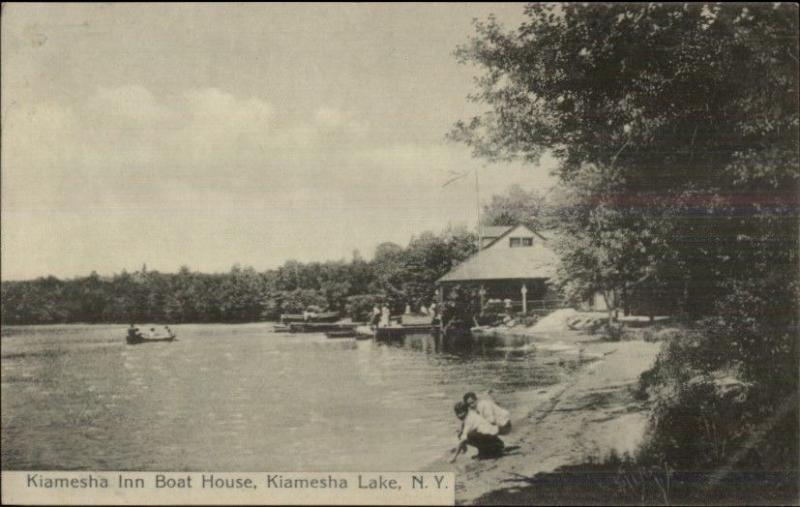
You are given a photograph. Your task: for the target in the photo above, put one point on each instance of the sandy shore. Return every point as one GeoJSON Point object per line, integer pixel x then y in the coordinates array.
{"type": "Point", "coordinates": [588, 415]}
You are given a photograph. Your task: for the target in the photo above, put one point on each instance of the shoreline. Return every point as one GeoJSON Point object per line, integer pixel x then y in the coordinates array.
{"type": "Point", "coordinates": [591, 414]}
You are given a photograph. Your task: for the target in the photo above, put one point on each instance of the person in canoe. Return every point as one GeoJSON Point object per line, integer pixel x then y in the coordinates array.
{"type": "Point", "coordinates": [477, 432]}
{"type": "Point", "coordinates": [491, 411]}
{"type": "Point", "coordinates": [133, 332]}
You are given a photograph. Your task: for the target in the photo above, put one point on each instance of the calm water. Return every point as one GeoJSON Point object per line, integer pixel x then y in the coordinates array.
{"type": "Point", "coordinates": [239, 398]}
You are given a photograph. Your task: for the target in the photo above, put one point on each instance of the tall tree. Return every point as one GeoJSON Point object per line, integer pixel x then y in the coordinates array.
{"type": "Point", "coordinates": [516, 206]}
{"type": "Point", "coordinates": [676, 127]}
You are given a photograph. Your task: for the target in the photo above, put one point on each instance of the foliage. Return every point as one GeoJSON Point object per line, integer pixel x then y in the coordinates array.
{"type": "Point", "coordinates": [517, 206]}
{"type": "Point", "coordinates": [405, 275]}
{"type": "Point", "coordinates": [676, 127]}
{"type": "Point", "coordinates": [359, 307]}
{"type": "Point", "coordinates": [624, 480]}
{"type": "Point", "coordinates": [298, 300]}
{"type": "Point", "coordinates": [680, 172]}
{"type": "Point", "coordinates": [408, 276]}
{"type": "Point", "coordinates": [679, 175]}
{"type": "Point", "coordinates": [707, 416]}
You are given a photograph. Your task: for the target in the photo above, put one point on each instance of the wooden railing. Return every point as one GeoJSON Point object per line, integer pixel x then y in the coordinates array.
{"type": "Point", "coordinates": [537, 305]}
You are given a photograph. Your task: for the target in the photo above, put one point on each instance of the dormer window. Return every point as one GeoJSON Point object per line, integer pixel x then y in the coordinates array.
{"type": "Point", "coordinates": [520, 242]}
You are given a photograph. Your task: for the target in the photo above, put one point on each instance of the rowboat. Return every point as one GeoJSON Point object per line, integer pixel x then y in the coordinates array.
{"type": "Point", "coordinates": [343, 333]}
{"type": "Point", "coordinates": [136, 339]}
{"type": "Point", "coordinates": [394, 332]}
{"type": "Point", "coordinates": [318, 327]}
{"type": "Point", "coordinates": [364, 332]}
{"type": "Point", "coordinates": [287, 318]}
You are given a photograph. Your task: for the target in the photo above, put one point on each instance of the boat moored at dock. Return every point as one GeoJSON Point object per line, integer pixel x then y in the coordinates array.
{"type": "Point", "coordinates": [343, 333]}
{"type": "Point", "coordinates": [136, 338]}
{"type": "Point", "coordinates": [395, 332]}
{"type": "Point", "coordinates": [319, 327]}
{"type": "Point", "coordinates": [310, 317]}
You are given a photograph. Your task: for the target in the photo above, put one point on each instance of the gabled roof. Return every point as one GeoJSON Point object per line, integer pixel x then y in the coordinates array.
{"type": "Point", "coordinates": [537, 261]}
{"type": "Point", "coordinates": [494, 231]}
{"type": "Point", "coordinates": [511, 229]}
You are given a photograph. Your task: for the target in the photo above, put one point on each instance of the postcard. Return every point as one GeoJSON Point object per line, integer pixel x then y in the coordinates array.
{"type": "Point", "coordinates": [400, 254]}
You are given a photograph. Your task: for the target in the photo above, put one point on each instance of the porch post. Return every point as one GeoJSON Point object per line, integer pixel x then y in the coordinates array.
{"type": "Point", "coordinates": [524, 291]}
{"type": "Point", "coordinates": [482, 292]}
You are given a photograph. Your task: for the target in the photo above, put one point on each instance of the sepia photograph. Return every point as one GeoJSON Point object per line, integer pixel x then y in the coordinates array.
{"type": "Point", "coordinates": [400, 253]}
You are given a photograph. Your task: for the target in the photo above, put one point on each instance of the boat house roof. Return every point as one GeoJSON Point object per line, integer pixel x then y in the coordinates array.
{"type": "Point", "coordinates": [498, 262]}
{"type": "Point", "coordinates": [494, 231]}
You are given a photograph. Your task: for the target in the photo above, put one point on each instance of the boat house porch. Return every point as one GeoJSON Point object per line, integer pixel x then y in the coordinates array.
{"type": "Point", "coordinates": [514, 265]}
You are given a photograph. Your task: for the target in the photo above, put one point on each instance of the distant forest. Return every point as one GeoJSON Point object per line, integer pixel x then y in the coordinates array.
{"type": "Point", "coordinates": [400, 275]}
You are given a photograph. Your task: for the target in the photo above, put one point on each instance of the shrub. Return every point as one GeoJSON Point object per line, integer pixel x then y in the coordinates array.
{"type": "Point", "coordinates": [612, 331]}
{"type": "Point", "coordinates": [528, 320]}
{"type": "Point", "coordinates": [298, 300]}
{"type": "Point", "coordinates": [707, 416]}
{"type": "Point", "coordinates": [660, 334]}
{"type": "Point", "coordinates": [359, 307]}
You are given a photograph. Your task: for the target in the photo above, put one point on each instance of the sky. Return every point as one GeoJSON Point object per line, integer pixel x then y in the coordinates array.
{"type": "Point", "coordinates": [220, 134]}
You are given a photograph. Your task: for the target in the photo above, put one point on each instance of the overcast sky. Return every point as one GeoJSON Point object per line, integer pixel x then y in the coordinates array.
{"type": "Point", "coordinates": [208, 135]}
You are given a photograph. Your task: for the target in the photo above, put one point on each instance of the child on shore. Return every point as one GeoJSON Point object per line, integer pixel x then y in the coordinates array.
{"type": "Point", "coordinates": [477, 432]}
{"type": "Point", "coordinates": [491, 411]}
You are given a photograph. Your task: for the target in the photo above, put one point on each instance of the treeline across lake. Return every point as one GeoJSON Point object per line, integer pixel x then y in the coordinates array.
{"type": "Point", "coordinates": [398, 275]}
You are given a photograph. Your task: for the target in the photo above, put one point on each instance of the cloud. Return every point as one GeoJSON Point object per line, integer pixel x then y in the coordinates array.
{"type": "Point", "coordinates": [127, 106]}
{"type": "Point", "coordinates": [221, 173]}
{"type": "Point", "coordinates": [126, 147]}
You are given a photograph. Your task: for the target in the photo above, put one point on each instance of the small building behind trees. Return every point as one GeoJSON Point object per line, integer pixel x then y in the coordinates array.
{"type": "Point", "coordinates": [514, 263]}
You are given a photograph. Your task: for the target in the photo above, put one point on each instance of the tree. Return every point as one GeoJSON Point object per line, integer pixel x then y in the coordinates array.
{"type": "Point", "coordinates": [241, 295]}
{"type": "Point", "coordinates": [676, 127]}
{"type": "Point", "coordinates": [687, 112]}
{"type": "Point", "coordinates": [516, 206]}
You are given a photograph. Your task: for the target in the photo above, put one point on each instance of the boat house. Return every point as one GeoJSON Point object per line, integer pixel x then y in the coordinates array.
{"type": "Point", "coordinates": [514, 263]}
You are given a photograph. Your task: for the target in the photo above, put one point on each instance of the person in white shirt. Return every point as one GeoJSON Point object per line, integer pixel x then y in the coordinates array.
{"type": "Point", "coordinates": [376, 316]}
{"type": "Point", "coordinates": [385, 316]}
{"type": "Point", "coordinates": [490, 411]}
{"type": "Point", "coordinates": [477, 432]}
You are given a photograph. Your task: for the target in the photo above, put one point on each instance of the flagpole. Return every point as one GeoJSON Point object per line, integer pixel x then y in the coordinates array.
{"type": "Point", "coordinates": [478, 207]}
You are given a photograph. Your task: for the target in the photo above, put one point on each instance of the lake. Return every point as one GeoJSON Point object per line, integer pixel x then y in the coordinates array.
{"type": "Point", "coordinates": [241, 398]}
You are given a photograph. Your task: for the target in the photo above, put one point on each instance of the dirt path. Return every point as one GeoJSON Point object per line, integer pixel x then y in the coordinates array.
{"type": "Point", "coordinates": [589, 415]}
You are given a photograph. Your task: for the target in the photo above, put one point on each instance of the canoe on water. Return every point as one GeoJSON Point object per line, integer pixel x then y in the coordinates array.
{"type": "Point", "coordinates": [138, 338]}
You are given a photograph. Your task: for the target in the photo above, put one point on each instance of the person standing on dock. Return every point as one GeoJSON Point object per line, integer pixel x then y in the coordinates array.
{"type": "Point", "coordinates": [434, 312]}
{"type": "Point", "coordinates": [491, 411]}
{"type": "Point", "coordinates": [385, 315]}
{"type": "Point", "coordinates": [375, 318]}
{"type": "Point", "coordinates": [477, 432]}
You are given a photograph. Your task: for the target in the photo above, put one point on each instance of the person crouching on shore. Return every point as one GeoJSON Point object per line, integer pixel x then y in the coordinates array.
{"type": "Point", "coordinates": [477, 432]}
{"type": "Point", "coordinates": [491, 411]}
